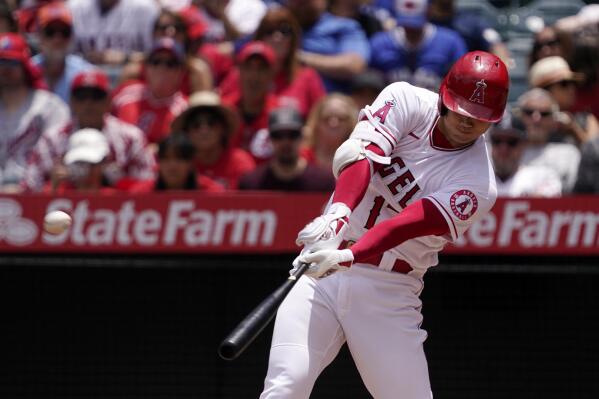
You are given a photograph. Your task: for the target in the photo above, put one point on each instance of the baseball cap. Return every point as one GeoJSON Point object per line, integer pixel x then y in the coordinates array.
{"type": "Point", "coordinates": [13, 47]}
{"type": "Point", "coordinates": [206, 100]}
{"type": "Point", "coordinates": [170, 45]}
{"type": "Point", "coordinates": [411, 13]}
{"type": "Point", "coordinates": [285, 119]}
{"type": "Point", "coordinates": [94, 79]}
{"type": "Point", "coordinates": [550, 70]}
{"type": "Point", "coordinates": [194, 22]}
{"type": "Point", "coordinates": [54, 12]}
{"type": "Point", "coordinates": [258, 48]}
{"type": "Point", "coordinates": [86, 145]}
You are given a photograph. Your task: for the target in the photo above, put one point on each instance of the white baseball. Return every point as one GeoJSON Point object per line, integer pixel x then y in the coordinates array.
{"type": "Point", "coordinates": [57, 222]}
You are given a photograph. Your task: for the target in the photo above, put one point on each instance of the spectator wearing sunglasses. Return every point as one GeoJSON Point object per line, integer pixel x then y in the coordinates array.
{"type": "Point", "coordinates": [287, 170]}
{"type": "Point", "coordinates": [186, 28]}
{"type": "Point", "coordinates": [554, 75]}
{"type": "Point", "coordinates": [153, 103]}
{"type": "Point", "coordinates": [253, 99]}
{"type": "Point", "coordinates": [548, 42]}
{"type": "Point", "coordinates": [26, 111]}
{"type": "Point", "coordinates": [296, 85]}
{"type": "Point", "coordinates": [508, 143]}
{"type": "Point", "coordinates": [539, 112]}
{"type": "Point", "coordinates": [129, 158]}
{"type": "Point", "coordinates": [209, 124]}
{"type": "Point", "coordinates": [176, 169]}
{"type": "Point", "coordinates": [55, 31]}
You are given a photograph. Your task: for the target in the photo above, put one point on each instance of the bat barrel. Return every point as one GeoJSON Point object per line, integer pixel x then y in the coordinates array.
{"type": "Point", "coordinates": [253, 324]}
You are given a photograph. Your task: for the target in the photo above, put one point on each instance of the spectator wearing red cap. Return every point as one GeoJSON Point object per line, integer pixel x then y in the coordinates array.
{"type": "Point", "coordinates": [25, 110]}
{"type": "Point", "coordinates": [129, 157]}
{"type": "Point", "coordinates": [253, 99]}
{"type": "Point", "coordinates": [296, 85]}
{"type": "Point", "coordinates": [209, 125]}
{"type": "Point", "coordinates": [176, 169]}
{"type": "Point", "coordinates": [55, 31]}
{"type": "Point", "coordinates": [153, 103]}
{"type": "Point", "coordinates": [186, 28]}
{"type": "Point", "coordinates": [106, 31]}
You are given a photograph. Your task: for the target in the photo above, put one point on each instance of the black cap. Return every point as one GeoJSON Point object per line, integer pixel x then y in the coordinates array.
{"type": "Point", "coordinates": [285, 119]}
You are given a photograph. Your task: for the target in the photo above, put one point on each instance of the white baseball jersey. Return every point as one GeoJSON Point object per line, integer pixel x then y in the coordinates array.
{"type": "Point", "coordinates": [126, 27]}
{"type": "Point", "coordinates": [21, 129]}
{"type": "Point", "coordinates": [460, 182]}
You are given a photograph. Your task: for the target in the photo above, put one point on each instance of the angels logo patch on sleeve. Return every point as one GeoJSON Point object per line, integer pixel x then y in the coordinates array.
{"type": "Point", "coordinates": [463, 204]}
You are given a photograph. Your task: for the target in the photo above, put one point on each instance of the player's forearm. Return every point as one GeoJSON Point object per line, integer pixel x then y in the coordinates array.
{"type": "Point", "coordinates": [341, 66]}
{"type": "Point", "coordinates": [354, 180]}
{"type": "Point", "coordinates": [421, 218]}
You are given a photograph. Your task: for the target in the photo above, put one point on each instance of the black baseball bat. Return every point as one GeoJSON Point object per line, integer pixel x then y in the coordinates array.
{"type": "Point", "coordinates": [253, 324]}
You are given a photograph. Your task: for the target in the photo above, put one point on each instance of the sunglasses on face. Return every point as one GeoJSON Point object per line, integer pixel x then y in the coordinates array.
{"type": "Point", "coordinates": [509, 141]}
{"type": "Point", "coordinates": [530, 112]}
{"type": "Point", "coordinates": [65, 33]}
{"type": "Point", "coordinates": [285, 134]}
{"type": "Point", "coordinates": [550, 43]}
{"type": "Point", "coordinates": [284, 30]}
{"type": "Point", "coordinates": [164, 27]}
{"type": "Point", "coordinates": [564, 84]}
{"type": "Point", "coordinates": [170, 63]}
{"type": "Point", "coordinates": [89, 94]}
{"type": "Point", "coordinates": [208, 120]}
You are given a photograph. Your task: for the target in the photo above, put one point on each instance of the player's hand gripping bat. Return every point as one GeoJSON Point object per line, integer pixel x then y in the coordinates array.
{"type": "Point", "coordinates": [253, 324]}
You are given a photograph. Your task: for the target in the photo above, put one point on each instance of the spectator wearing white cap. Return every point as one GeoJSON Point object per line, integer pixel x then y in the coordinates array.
{"type": "Point", "coordinates": [85, 162]}
{"type": "Point", "coordinates": [554, 75]}
{"type": "Point", "coordinates": [130, 159]}
{"type": "Point", "coordinates": [416, 51]}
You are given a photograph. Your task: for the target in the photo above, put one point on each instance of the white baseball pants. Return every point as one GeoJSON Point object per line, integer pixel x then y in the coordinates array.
{"type": "Point", "coordinates": [377, 312]}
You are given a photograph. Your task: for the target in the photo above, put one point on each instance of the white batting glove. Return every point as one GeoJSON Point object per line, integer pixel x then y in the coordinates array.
{"type": "Point", "coordinates": [325, 231]}
{"type": "Point", "coordinates": [324, 261]}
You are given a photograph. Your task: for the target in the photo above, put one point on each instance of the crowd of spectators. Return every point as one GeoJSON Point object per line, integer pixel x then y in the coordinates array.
{"type": "Point", "coordinates": [211, 95]}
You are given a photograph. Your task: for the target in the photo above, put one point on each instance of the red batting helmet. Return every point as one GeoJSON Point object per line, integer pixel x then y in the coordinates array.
{"type": "Point", "coordinates": [476, 86]}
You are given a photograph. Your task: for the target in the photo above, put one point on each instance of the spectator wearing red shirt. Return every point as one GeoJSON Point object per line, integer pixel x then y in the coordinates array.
{"type": "Point", "coordinates": [152, 104]}
{"type": "Point", "coordinates": [86, 162]}
{"type": "Point", "coordinates": [210, 125]}
{"type": "Point", "coordinates": [129, 156]}
{"type": "Point", "coordinates": [296, 85]}
{"type": "Point", "coordinates": [176, 169]}
{"type": "Point", "coordinates": [186, 28]}
{"type": "Point", "coordinates": [253, 100]}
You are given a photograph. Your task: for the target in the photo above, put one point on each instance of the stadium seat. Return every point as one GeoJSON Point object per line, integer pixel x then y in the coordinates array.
{"type": "Point", "coordinates": [552, 10]}
{"type": "Point", "coordinates": [482, 8]}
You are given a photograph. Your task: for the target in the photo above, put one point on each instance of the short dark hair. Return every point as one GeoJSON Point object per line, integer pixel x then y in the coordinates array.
{"type": "Point", "coordinates": [183, 149]}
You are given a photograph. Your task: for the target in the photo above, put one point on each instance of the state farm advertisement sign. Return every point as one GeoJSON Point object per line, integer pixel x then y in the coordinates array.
{"type": "Point", "coordinates": [268, 223]}
{"type": "Point", "coordinates": [159, 223]}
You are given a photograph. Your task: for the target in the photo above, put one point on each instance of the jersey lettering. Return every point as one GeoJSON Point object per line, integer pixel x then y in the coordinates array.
{"type": "Point", "coordinates": [405, 179]}
{"type": "Point", "coordinates": [382, 112]}
{"type": "Point", "coordinates": [479, 93]}
{"type": "Point", "coordinates": [374, 213]}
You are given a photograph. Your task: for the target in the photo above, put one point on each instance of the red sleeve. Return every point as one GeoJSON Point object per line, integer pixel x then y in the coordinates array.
{"type": "Point", "coordinates": [354, 179]}
{"type": "Point", "coordinates": [421, 218]}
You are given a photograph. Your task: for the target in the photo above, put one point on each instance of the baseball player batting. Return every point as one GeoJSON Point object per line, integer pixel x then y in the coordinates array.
{"type": "Point", "coordinates": [413, 176]}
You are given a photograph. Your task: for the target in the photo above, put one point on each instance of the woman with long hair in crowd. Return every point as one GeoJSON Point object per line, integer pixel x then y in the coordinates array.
{"type": "Point", "coordinates": [295, 85]}
{"type": "Point", "coordinates": [330, 123]}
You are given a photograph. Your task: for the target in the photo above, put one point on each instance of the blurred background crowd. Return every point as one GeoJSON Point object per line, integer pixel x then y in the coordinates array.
{"type": "Point", "coordinates": [215, 95]}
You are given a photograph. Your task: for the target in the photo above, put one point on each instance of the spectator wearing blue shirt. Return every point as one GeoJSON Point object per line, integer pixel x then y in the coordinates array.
{"type": "Point", "coordinates": [416, 51]}
{"type": "Point", "coordinates": [58, 67]}
{"type": "Point", "coordinates": [335, 46]}
{"type": "Point", "coordinates": [476, 31]}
